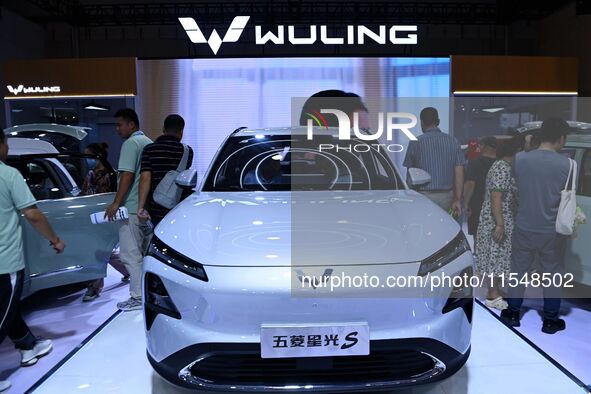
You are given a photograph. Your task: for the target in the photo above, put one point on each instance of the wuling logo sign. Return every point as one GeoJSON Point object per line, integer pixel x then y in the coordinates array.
{"type": "Point", "coordinates": [355, 34]}
{"type": "Point", "coordinates": [30, 90]}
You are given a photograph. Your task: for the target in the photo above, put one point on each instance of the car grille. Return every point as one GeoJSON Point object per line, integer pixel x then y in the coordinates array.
{"type": "Point", "coordinates": [251, 369]}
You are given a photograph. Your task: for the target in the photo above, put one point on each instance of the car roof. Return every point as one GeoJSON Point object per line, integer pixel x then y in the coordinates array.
{"type": "Point", "coordinates": [578, 139]}
{"type": "Point", "coordinates": [580, 131]}
{"type": "Point", "coordinates": [29, 146]}
{"type": "Point", "coordinates": [577, 127]}
{"type": "Point", "coordinates": [77, 132]}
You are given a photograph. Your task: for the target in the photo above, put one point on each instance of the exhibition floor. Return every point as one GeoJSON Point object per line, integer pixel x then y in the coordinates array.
{"type": "Point", "coordinates": [571, 347]}
{"type": "Point", "coordinates": [115, 361]}
{"type": "Point", "coordinates": [60, 315]}
{"type": "Point", "coordinates": [105, 352]}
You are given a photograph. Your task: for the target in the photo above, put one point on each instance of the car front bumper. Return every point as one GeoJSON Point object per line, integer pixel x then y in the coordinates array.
{"type": "Point", "coordinates": [216, 335]}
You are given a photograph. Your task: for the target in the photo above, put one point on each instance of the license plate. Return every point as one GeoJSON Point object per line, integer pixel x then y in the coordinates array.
{"type": "Point", "coordinates": [324, 340]}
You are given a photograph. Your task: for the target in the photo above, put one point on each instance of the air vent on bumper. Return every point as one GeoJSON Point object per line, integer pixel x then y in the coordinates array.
{"type": "Point", "coordinates": [157, 300]}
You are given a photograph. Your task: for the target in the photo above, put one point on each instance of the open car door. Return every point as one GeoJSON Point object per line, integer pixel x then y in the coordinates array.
{"type": "Point", "coordinates": [56, 182]}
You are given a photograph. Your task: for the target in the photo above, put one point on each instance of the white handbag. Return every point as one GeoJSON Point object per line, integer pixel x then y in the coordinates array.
{"type": "Point", "coordinates": [567, 210]}
{"type": "Point", "coordinates": [168, 193]}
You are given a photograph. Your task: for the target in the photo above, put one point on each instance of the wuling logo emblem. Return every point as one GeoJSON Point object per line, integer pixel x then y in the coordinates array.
{"type": "Point", "coordinates": [28, 90]}
{"type": "Point", "coordinates": [215, 41]}
{"type": "Point", "coordinates": [314, 281]}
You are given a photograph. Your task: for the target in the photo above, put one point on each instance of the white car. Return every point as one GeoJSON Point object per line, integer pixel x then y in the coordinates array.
{"type": "Point", "coordinates": [236, 280]}
{"type": "Point", "coordinates": [65, 138]}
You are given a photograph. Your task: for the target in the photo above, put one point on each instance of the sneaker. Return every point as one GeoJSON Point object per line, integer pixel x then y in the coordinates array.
{"type": "Point", "coordinates": [42, 347]}
{"type": "Point", "coordinates": [4, 385]}
{"type": "Point", "coordinates": [90, 294]}
{"type": "Point", "coordinates": [510, 318]}
{"type": "Point", "coordinates": [132, 304]}
{"type": "Point", "coordinates": [551, 326]}
{"type": "Point", "coordinates": [497, 303]}
{"type": "Point", "coordinates": [125, 279]}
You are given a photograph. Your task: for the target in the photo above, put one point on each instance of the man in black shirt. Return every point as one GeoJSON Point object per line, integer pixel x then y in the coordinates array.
{"type": "Point", "coordinates": [158, 158]}
{"type": "Point", "coordinates": [475, 185]}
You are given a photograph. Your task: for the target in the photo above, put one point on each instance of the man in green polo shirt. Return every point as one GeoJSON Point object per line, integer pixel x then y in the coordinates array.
{"type": "Point", "coordinates": [134, 234]}
{"type": "Point", "coordinates": [17, 199]}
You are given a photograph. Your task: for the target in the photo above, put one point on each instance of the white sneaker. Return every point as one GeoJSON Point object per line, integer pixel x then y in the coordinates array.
{"type": "Point", "coordinates": [90, 294]}
{"type": "Point", "coordinates": [4, 385]}
{"type": "Point", "coordinates": [498, 303]}
{"type": "Point", "coordinates": [132, 304]}
{"type": "Point", "coordinates": [42, 347]}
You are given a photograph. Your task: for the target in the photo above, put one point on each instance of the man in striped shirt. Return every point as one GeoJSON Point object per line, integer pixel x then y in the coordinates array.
{"type": "Point", "coordinates": [158, 158]}
{"type": "Point", "coordinates": [439, 154]}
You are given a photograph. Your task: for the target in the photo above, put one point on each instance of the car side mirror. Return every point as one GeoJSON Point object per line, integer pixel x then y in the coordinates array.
{"type": "Point", "coordinates": [187, 179]}
{"type": "Point", "coordinates": [418, 177]}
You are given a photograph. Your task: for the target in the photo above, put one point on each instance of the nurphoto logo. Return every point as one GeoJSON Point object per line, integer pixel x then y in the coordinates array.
{"type": "Point", "coordinates": [345, 128]}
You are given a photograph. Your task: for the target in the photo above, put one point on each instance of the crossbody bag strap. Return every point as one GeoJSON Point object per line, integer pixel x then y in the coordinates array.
{"type": "Point", "coordinates": [183, 164]}
{"type": "Point", "coordinates": [574, 176]}
{"type": "Point", "coordinates": [570, 172]}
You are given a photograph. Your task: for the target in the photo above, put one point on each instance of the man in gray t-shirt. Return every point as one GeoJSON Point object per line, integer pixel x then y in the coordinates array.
{"type": "Point", "coordinates": [541, 175]}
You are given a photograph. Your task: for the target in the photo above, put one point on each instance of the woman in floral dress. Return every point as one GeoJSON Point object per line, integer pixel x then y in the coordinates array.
{"type": "Point", "coordinates": [98, 180]}
{"type": "Point", "coordinates": [493, 242]}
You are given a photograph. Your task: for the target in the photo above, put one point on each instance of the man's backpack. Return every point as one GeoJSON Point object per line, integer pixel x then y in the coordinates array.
{"type": "Point", "coordinates": [168, 193]}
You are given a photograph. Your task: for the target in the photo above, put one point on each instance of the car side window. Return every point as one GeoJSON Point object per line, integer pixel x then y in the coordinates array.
{"type": "Point", "coordinates": [40, 181]}
{"type": "Point", "coordinates": [585, 175]}
{"type": "Point", "coordinates": [567, 152]}
{"type": "Point", "coordinates": [75, 167]}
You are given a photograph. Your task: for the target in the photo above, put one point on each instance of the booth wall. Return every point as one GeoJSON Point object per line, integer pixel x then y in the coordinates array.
{"type": "Point", "coordinates": [19, 39]}
{"type": "Point", "coordinates": [216, 96]}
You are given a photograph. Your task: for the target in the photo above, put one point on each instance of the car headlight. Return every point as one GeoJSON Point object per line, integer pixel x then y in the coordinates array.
{"type": "Point", "coordinates": [451, 251]}
{"type": "Point", "coordinates": [164, 253]}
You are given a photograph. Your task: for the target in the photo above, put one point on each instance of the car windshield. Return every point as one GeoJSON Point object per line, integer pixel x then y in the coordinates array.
{"type": "Point", "coordinates": [281, 163]}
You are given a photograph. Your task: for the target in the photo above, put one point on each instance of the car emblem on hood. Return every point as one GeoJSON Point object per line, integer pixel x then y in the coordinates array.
{"type": "Point", "coordinates": [314, 281]}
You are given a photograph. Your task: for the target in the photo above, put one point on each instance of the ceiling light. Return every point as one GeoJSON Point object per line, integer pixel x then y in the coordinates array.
{"type": "Point", "coordinates": [96, 107]}
{"type": "Point", "coordinates": [494, 109]}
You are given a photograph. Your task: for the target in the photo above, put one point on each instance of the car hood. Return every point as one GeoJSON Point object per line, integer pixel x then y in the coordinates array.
{"type": "Point", "coordinates": [306, 228]}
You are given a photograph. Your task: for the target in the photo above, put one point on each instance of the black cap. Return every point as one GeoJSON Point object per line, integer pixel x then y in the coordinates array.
{"type": "Point", "coordinates": [489, 141]}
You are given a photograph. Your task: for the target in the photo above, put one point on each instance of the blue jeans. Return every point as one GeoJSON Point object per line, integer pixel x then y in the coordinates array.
{"type": "Point", "coordinates": [551, 249]}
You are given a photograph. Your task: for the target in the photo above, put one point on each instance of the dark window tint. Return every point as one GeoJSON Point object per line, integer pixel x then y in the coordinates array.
{"type": "Point", "coordinates": [283, 163]}
{"type": "Point", "coordinates": [43, 185]}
